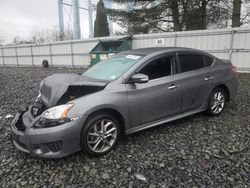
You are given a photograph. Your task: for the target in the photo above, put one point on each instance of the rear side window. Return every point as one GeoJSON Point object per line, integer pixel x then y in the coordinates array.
{"type": "Point", "coordinates": [189, 62]}
{"type": "Point", "coordinates": [158, 68]}
{"type": "Point", "coordinates": [208, 60]}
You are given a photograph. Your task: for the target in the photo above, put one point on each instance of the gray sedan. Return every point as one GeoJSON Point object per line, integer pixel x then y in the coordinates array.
{"type": "Point", "coordinates": [126, 93]}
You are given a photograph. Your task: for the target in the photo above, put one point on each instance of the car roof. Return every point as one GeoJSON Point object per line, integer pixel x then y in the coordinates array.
{"type": "Point", "coordinates": [158, 50]}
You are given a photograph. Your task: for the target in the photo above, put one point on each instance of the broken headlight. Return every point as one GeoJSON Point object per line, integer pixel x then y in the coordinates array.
{"type": "Point", "coordinates": [54, 116]}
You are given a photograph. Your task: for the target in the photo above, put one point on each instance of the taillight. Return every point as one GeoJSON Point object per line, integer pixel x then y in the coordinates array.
{"type": "Point", "coordinates": [234, 69]}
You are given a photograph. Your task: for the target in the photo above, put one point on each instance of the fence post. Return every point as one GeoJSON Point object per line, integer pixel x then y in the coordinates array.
{"type": "Point", "coordinates": [175, 39]}
{"type": "Point", "coordinates": [16, 56]}
{"type": "Point", "coordinates": [72, 54]}
{"type": "Point", "coordinates": [32, 58]}
{"type": "Point", "coordinates": [231, 45]}
{"type": "Point", "coordinates": [50, 55]}
{"type": "Point", "coordinates": [3, 56]}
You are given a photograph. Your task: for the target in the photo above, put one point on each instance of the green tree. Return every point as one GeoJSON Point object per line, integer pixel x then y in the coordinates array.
{"type": "Point", "coordinates": [101, 27]}
{"type": "Point", "coordinates": [172, 15]}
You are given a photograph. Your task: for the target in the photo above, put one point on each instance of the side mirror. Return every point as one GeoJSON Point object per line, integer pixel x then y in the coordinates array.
{"type": "Point", "coordinates": [139, 78]}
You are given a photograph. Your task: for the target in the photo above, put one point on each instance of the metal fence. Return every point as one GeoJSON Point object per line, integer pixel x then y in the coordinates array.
{"type": "Point", "coordinates": [231, 44]}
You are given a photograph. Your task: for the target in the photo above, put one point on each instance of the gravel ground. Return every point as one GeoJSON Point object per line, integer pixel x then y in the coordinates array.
{"type": "Point", "coordinates": [198, 151]}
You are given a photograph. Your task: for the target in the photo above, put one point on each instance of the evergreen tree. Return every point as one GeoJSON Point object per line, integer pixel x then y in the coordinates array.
{"type": "Point", "coordinates": [146, 16]}
{"type": "Point", "coordinates": [101, 27]}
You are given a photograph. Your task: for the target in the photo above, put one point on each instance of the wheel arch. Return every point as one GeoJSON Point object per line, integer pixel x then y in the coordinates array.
{"type": "Point", "coordinates": [113, 112]}
{"type": "Point", "coordinates": [225, 89]}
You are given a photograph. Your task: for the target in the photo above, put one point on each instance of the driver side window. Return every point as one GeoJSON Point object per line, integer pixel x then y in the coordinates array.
{"type": "Point", "coordinates": [158, 68]}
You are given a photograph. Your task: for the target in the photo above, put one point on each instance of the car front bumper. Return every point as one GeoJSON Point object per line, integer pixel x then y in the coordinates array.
{"type": "Point", "coordinates": [54, 142]}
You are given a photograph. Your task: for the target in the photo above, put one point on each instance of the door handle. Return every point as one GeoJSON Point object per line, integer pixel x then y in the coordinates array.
{"type": "Point", "coordinates": [209, 78]}
{"type": "Point", "coordinates": [172, 87]}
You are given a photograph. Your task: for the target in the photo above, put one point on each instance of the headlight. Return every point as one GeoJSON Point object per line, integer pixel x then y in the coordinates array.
{"type": "Point", "coordinates": [54, 116]}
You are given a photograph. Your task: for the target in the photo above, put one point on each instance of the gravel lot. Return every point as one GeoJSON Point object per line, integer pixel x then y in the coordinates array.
{"type": "Point", "coordinates": [198, 151]}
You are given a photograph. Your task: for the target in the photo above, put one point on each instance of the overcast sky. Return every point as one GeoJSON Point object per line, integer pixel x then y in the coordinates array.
{"type": "Point", "coordinates": [23, 17]}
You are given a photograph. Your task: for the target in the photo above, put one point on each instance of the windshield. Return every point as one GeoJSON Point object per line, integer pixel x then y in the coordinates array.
{"type": "Point", "coordinates": [113, 67]}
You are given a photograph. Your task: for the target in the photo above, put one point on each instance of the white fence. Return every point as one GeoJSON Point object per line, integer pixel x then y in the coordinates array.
{"type": "Point", "coordinates": [231, 44]}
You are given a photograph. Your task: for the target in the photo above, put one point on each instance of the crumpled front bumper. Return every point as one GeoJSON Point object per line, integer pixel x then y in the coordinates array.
{"type": "Point", "coordinates": [54, 142]}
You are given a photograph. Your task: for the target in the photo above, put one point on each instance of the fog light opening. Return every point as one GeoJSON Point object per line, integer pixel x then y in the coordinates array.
{"type": "Point", "coordinates": [38, 151]}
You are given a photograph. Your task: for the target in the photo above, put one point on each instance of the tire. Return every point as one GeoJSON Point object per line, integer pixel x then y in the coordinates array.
{"type": "Point", "coordinates": [94, 139]}
{"type": "Point", "coordinates": [216, 102]}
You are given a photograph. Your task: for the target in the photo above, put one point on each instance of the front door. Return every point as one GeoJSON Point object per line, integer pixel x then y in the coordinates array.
{"type": "Point", "coordinates": [157, 99]}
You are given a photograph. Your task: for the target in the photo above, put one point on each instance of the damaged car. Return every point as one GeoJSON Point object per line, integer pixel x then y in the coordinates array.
{"type": "Point", "coordinates": [129, 92]}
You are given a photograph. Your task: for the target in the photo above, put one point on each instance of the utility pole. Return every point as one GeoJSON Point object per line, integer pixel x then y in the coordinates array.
{"type": "Point", "coordinates": [90, 10]}
{"type": "Point", "coordinates": [76, 21]}
{"type": "Point", "coordinates": [61, 21]}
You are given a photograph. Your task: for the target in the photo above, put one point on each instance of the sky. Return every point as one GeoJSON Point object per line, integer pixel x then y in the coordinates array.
{"type": "Point", "coordinates": [24, 17]}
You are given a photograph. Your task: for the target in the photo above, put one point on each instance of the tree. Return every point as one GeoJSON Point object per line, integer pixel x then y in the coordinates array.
{"type": "Point", "coordinates": [236, 21]}
{"type": "Point", "coordinates": [245, 12]}
{"type": "Point", "coordinates": [51, 35]}
{"type": "Point", "coordinates": [101, 27]}
{"type": "Point", "coordinates": [44, 36]}
{"type": "Point", "coordinates": [219, 14]}
{"type": "Point", "coordinates": [17, 40]}
{"type": "Point", "coordinates": [164, 15]}
{"type": "Point", "coordinates": [173, 15]}
{"type": "Point", "coordinates": [140, 16]}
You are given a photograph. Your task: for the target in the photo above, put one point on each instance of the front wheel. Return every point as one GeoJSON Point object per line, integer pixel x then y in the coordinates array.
{"type": "Point", "coordinates": [100, 134]}
{"type": "Point", "coordinates": [216, 103]}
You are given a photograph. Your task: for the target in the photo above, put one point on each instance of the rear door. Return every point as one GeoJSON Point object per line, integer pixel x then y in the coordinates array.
{"type": "Point", "coordinates": [195, 80]}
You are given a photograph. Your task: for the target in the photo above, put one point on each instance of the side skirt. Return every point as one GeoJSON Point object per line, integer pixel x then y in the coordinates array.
{"type": "Point", "coordinates": [162, 121]}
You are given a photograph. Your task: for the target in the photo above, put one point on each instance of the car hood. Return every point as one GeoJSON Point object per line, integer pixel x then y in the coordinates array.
{"type": "Point", "coordinates": [68, 86]}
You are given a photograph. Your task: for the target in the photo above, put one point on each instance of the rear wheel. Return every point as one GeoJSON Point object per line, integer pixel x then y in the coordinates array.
{"type": "Point", "coordinates": [100, 134]}
{"type": "Point", "coordinates": [217, 101]}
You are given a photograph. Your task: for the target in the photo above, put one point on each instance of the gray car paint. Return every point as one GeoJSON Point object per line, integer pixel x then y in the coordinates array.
{"type": "Point", "coordinates": [53, 87]}
{"type": "Point", "coordinates": [32, 137]}
{"type": "Point", "coordinates": [140, 105]}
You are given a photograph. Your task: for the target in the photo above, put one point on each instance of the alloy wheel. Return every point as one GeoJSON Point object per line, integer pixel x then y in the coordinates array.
{"type": "Point", "coordinates": [218, 102]}
{"type": "Point", "coordinates": [102, 135]}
